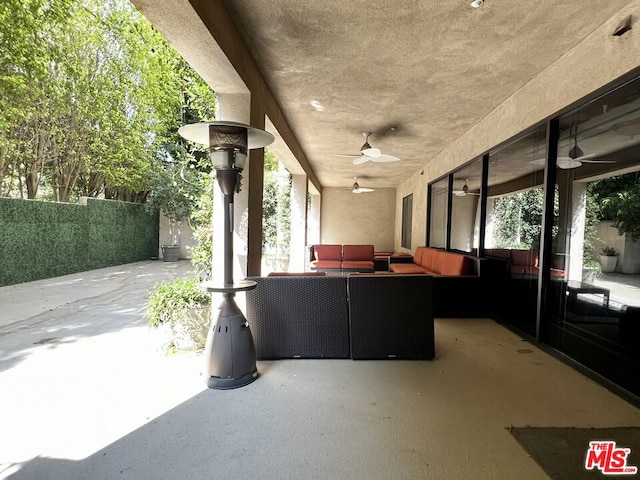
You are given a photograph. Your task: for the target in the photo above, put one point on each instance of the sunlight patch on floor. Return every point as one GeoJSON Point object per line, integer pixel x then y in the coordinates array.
{"type": "Point", "coordinates": [71, 398]}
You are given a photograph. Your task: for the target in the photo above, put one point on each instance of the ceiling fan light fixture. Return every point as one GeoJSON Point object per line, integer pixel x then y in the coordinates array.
{"type": "Point", "coordinates": [356, 188]}
{"type": "Point", "coordinates": [370, 154]}
{"type": "Point", "coordinates": [477, 3]}
{"type": "Point", "coordinates": [367, 149]}
{"type": "Point", "coordinates": [370, 151]}
{"type": "Point", "coordinates": [576, 152]}
{"type": "Point", "coordinates": [567, 163]}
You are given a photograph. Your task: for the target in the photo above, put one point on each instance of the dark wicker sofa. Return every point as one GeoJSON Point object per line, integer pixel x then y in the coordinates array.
{"type": "Point", "coordinates": [357, 316]}
{"type": "Point", "coordinates": [391, 316]}
{"type": "Point", "coordinates": [299, 317]}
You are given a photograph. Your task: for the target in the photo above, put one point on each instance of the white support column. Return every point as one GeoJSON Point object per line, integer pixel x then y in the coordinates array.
{"type": "Point", "coordinates": [578, 220]}
{"type": "Point", "coordinates": [313, 223]}
{"type": "Point", "coordinates": [297, 242]}
{"type": "Point", "coordinates": [233, 108]}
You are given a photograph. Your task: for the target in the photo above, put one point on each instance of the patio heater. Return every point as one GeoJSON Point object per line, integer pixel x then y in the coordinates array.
{"type": "Point", "coordinates": [230, 355]}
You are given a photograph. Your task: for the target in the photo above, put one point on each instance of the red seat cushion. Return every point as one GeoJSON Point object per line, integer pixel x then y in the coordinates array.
{"type": "Point", "coordinates": [427, 258]}
{"type": "Point", "coordinates": [328, 252]}
{"type": "Point", "coordinates": [502, 253]}
{"type": "Point", "coordinates": [454, 264]}
{"type": "Point", "coordinates": [358, 265]}
{"type": "Point", "coordinates": [406, 268]}
{"type": "Point", "coordinates": [327, 264]}
{"type": "Point", "coordinates": [296, 274]}
{"type": "Point", "coordinates": [523, 257]}
{"type": "Point", "coordinates": [357, 252]}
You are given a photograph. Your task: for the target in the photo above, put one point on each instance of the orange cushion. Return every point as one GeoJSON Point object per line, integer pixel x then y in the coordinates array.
{"type": "Point", "coordinates": [427, 258]}
{"type": "Point", "coordinates": [497, 253]}
{"type": "Point", "coordinates": [296, 274]}
{"type": "Point", "coordinates": [357, 264]}
{"type": "Point", "coordinates": [436, 263]}
{"type": "Point", "coordinates": [417, 256]}
{"type": "Point", "coordinates": [523, 257]}
{"type": "Point", "coordinates": [357, 252]}
{"type": "Point", "coordinates": [328, 252]}
{"type": "Point", "coordinates": [327, 264]}
{"type": "Point", "coordinates": [454, 264]}
{"type": "Point", "coordinates": [406, 268]}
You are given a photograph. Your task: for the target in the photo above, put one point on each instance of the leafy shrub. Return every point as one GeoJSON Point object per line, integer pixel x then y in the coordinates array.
{"type": "Point", "coordinates": [172, 302]}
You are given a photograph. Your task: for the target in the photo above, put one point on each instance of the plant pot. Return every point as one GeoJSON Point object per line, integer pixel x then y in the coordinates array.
{"type": "Point", "coordinates": [170, 253]}
{"type": "Point", "coordinates": [589, 274]}
{"type": "Point", "coordinates": [190, 332]}
{"type": "Point", "coordinates": [608, 263]}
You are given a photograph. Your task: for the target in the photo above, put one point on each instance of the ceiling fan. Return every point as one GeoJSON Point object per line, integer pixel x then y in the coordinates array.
{"type": "Point", "coordinates": [577, 155]}
{"type": "Point", "coordinates": [356, 188]}
{"type": "Point", "coordinates": [369, 153]}
{"type": "Point", "coordinates": [575, 158]}
{"type": "Point", "coordinates": [465, 191]}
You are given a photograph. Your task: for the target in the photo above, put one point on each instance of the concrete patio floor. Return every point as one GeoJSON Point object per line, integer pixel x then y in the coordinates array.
{"type": "Point", "coordinates": [86, 394]}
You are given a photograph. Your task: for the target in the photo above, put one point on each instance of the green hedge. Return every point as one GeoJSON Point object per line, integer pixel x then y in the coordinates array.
{"type": "Point", "coordinates": [46, 239]}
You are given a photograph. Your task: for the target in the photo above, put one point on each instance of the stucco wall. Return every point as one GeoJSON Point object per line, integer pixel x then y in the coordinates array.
{"type": "Point", "coordinates": [595, 62]}
{"type": "Point", "coordinates": [628, 250]}
{"type": "Point", "coordinates": [365, 218]}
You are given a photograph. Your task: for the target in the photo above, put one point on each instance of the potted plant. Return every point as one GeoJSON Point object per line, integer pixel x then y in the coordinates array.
{"type": "Point", "coordinates": [608, 259]}
{"type": "Point", "coordinates": [175, 190]}
{"type": "Point", "coordinates": [182, 311]}
{"type": "Point", "coordinates": [591, 269]}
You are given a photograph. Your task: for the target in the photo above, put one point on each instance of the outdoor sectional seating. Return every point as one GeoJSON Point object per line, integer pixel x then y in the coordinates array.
{"type": "Point", "coordinates": [342, 316]}
{"type": "Point", "coordinates": [524, 263]}
{"type": "Point", "coordinates": [460, 282]}
{"type": "Point", "coordinates": [342, 258]}
{"type": "Point", "coordinates": [433, 261]}
{"type": "Point", "coordinates": [391, 316]}
{"type": "Point", "coordinates": [299, 317]}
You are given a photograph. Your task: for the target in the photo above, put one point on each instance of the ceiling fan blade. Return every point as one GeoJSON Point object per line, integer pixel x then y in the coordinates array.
{"type": "Point", "coordinates": [362, 159]}
{"type": "Point", "coordinates": [347, 156]}
{"type": "Point", "coordinates": [384, 158]}
{"type": "Point", "coordinates": [365, 190]}
{"type": "Point", "coordinates": [371, 152]}
{"type": "Point", "coordinates": [587, 159]}
{"type": "Point", "coordinates": [567, 163]}
{"type": "Point", "coordinates": [356, 190]}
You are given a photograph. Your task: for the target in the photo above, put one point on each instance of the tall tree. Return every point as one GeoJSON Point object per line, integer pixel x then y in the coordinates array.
{"type": "Point", "coordinates": [28, 50]}
{"type": "Point", "coordinates": [95, 95]}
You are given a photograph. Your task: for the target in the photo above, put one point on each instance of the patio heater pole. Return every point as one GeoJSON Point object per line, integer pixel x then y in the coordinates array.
{"type": "Point", "coordinates": [230, 355]}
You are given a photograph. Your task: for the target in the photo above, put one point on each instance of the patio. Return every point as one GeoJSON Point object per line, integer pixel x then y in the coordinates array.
{"type": "Point", "coordinates": [624, 287]}
{"type": "Point", "coordinates": [129, 411]}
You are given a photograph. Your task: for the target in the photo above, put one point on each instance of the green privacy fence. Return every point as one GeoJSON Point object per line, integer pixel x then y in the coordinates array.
{"type": "Point", "coordinates": [46, 239]}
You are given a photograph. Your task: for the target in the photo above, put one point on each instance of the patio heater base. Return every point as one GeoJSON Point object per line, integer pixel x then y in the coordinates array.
{"type": "Point", "coordinates": [230, 354]}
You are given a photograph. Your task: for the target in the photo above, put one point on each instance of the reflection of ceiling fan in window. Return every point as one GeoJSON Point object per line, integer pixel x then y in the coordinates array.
{"type": "Point", "coordinates": [465, 191]}
{"type": "Point", "coordinates": [576, 156]}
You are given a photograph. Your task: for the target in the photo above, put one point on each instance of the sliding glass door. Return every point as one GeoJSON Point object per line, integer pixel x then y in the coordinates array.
{"type": "Point", "coordinates": [593, 313]}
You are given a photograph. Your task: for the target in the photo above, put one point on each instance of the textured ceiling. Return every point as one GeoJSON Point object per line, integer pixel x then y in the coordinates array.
{"type": "Point", "coordinates": [431, 69]}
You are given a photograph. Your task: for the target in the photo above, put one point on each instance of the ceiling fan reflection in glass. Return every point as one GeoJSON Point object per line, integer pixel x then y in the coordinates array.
{"type": "Point", "coordinates": [465, 191]}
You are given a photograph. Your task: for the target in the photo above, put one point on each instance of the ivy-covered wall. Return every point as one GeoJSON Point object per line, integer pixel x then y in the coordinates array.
{"type": "Point", "coordinates": [46, 239]}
